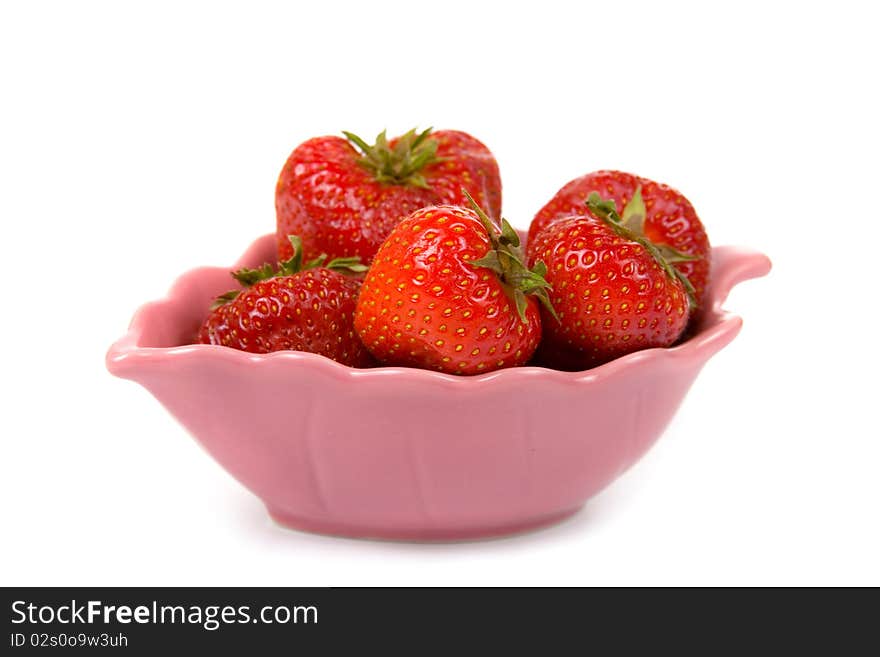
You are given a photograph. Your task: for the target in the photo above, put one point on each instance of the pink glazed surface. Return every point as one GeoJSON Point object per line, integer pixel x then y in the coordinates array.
{"type": "Point", "coordinates": [402, 453]}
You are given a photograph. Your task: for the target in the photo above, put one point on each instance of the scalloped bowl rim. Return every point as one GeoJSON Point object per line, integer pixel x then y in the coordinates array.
{"type": "Point", "coordinates": [126, 353]}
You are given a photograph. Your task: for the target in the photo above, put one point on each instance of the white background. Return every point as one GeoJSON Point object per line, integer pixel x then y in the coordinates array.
{"type": "Point", "coordinates": [138, 141]}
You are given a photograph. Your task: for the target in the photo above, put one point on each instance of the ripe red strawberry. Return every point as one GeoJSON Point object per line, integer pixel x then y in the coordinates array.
{"type": "Point", "coordinates": [447, 292]}
{"type": "Point", "coordinates": [303, 308]}
{"type": "Point", "coordinates": [669, 220]}
{"type": "Point", "coordinates": [613, 291]}
{"type": "Point", "coordinates": [343, 197]}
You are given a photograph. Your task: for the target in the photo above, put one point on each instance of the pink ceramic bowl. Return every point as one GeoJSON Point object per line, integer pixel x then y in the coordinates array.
{"type": "Point", "coordinates": [412, 454]}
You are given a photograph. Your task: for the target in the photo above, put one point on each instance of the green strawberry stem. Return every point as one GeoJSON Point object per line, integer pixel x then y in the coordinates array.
{"type": "Point", "coordinates": [248, 277]}
{"type": "Point", "coordinates": [505, 258]}
{"type": "Point", "coordinates": [631, 226]}
{"type": "Point", "coordinates": [402, 164]}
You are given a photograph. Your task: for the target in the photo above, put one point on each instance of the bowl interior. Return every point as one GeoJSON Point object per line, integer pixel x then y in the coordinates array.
{"type": "Point", "coordinates": [174, 321]}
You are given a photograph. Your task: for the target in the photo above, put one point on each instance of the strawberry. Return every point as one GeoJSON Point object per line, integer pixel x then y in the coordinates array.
{"type": "Point", "coordinates": [343, 196]}
{"type": "Point", "coordinates": [448, 292]}
{"type": "Point", "coordinates": [669, 220]}
{"type": "Point", "coordinates": [614, 290]}
{"type": "Point", "coordinates": [303, 308]}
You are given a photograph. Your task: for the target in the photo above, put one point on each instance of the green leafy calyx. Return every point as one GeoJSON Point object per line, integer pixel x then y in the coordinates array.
{"type": "Point", "coordinates": [248, 277]}
{"type": "Point", "coordinates": [631, 226]}
{"type": "Point", "coordinates": [505, 258]}
{"type": "Point", "coordinates": [401, 164]}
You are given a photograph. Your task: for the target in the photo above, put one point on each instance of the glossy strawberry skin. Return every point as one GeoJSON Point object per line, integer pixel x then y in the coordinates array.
{"type": "Point", "coordinates": [338, 208]}
{"type": "Point", "coordinates": [423, 305]}
{"type": "Point", "coordinates": [309, 311]}
{"type": "Point", "coordinates": [611, 296]}
{"type": "Point", "coordinates": [671, 219]}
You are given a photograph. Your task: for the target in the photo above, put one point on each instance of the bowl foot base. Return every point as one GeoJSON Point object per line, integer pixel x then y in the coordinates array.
{"type": "Point", "coordinates": [415, 534]}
